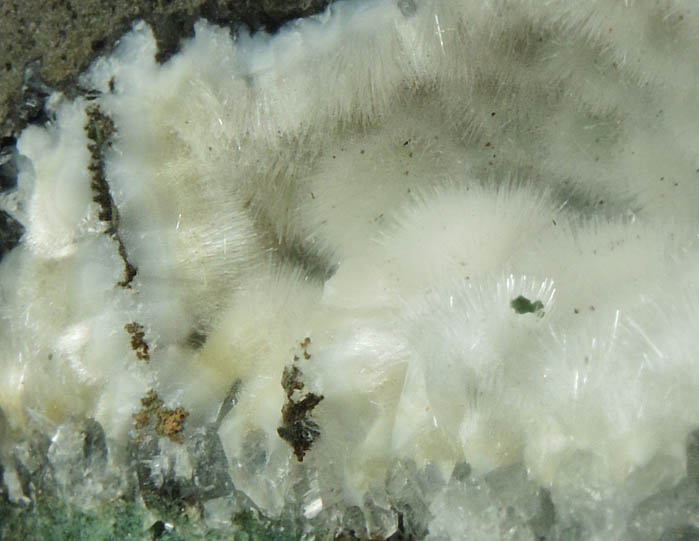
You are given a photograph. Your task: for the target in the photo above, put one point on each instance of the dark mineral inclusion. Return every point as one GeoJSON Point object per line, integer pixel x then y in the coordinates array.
{"type": "Point", "coordinates": [522, 305]}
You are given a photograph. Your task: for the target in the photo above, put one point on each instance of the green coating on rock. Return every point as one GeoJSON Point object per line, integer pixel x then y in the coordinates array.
{"type": "Point", "coordinates": [50, 519]}
{"type": "Point", "coordinates": [252, 526]}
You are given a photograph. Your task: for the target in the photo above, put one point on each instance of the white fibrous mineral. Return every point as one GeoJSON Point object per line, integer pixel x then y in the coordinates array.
{"type": "Point", "coordinates": [423, 268]}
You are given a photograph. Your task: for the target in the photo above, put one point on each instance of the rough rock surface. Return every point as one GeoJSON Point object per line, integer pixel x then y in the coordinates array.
{"type": "Point", "coordinates": [65, 35]}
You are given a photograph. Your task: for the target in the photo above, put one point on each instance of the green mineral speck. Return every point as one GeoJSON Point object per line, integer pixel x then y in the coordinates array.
{"type": "Point", "coordinates": [523, 305]}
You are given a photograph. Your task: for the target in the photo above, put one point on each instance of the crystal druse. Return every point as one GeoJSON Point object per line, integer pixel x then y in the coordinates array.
{"type": "Point", "coordinates": [421, 269]}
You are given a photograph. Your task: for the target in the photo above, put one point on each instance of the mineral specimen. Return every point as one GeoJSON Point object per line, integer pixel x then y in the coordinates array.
{"type": "Point", "coordinates": [401, 270]}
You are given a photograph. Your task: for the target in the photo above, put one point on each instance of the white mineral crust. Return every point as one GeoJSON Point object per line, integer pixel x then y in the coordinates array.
{"type": "Point", "coordinates": [384, 179]}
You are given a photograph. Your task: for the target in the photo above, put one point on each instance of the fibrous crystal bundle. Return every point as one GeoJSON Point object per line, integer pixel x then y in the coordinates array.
{"type": "Point", "coordinates": [414, 269]}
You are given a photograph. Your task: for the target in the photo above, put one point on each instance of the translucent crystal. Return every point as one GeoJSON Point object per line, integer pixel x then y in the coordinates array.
{"type": "Point", "coordinates": [505, 504]}
{"type": "Point", "coordinates": [669, 514]}
{"type": "Point", "coordinates": [174, 475]}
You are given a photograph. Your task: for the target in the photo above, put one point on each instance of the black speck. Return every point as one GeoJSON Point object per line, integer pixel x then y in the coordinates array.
{"type": "Point", "coordinates": [98, 44]}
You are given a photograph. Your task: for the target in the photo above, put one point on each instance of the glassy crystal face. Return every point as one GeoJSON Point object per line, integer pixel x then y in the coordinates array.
{"type": "Point", "coordinates": [403, 270]}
